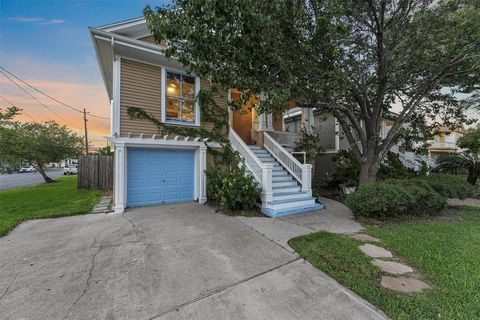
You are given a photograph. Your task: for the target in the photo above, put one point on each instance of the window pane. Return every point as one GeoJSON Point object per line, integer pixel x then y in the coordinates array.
{"type": "Point", "coordinates": [188, 111]}
{"type": "Point", "coordinates": [188, 87]}
{"type": "Point", "coordinates": [173, 109]}
{"type": "Point", "coordinates": [173, 84]}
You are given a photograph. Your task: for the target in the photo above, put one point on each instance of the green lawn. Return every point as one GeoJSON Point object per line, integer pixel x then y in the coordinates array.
{"type": "Point", "coordinates": [446, 250]}
{"type": "Point", "coordinates": [44, 201]}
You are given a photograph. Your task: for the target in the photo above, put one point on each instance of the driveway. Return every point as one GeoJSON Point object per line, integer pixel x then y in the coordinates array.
{"type": "Point", "coordinates": [165, 262]}
{"type": "Point", "coordinates": [18, 180]}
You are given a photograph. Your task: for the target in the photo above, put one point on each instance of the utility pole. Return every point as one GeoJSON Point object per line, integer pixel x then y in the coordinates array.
{"type": "Point", "coordinates": [85, 126]}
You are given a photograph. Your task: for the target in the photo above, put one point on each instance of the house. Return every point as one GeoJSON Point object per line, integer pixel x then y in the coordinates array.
{"type": "Point", "coordinates": [331, 139]}
{"type": "Point", "coordinates": [445, 141]}
{"type": "Point", "coordinates": [151, 169]}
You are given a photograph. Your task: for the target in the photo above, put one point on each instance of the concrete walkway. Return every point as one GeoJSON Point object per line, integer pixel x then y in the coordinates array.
{"type": "Point", "coordinates": [335, 218]}
{"type": "Point", "coordinates": [166, 262]}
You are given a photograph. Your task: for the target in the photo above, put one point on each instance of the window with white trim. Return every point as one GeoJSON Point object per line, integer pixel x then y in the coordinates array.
{"type": "Point", "coordinates": [180, 98]}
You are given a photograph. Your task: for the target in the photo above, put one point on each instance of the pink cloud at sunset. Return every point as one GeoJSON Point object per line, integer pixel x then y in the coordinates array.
{"type": "Point", "coordinates": [71, 86]}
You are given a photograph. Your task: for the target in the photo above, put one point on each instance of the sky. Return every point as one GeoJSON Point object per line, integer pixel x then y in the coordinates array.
{"type": "Point", "coordinates": [47, 44]}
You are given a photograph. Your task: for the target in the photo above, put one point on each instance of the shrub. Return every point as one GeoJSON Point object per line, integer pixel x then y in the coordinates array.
{"type": "Point", "coordinates": [424, 198]}
{"type": "Point", "coordinates": [380, 199]}
{"type": "Point", "coordinates": [233, 189]}
{"type": "Point", "coordinates": [450, 186]}
{"type": "Point", "coordinates": [394, 197]}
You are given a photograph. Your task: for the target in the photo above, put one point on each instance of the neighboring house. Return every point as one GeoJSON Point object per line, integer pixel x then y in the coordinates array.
{"type": "Point", "coordinates": [153, 169]}
{"type": "Point", "coordinates": [331, 139]}
{"type": "Point", "coordinates": [63, 163]}
{"type": "Point", "coordinates": [445, 141]}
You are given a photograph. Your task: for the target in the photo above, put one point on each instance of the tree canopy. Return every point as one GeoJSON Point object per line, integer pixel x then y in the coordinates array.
{"type": "Point", "coordinates": [357, 60]}
{"type": "Point", "coordinates": [38, 144]}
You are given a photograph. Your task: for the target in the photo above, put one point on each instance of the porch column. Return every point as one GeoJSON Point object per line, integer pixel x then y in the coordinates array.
{"type": "Point", "coordinates": [119, 187]}
{"type": "Point", "coordinates": [202, 192]}
{"type": "Point", "coordinates": [308, 122]}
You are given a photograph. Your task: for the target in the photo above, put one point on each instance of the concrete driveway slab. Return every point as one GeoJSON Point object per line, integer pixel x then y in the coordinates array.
{"type": "Point", "coordinates": [151, 261]}
{"type": "Point", "coordinates": [294, 291]}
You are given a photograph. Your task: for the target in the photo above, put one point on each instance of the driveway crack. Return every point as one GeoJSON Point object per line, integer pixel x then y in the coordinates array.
{"type": "Point", "coordinates": [9, 285]}
{"type": "Point", "coordinates": [219, 290]}
{"type": "Point", "coordinates": [134, 227]}
{"type": "Point", "coordinates": [87, 282]}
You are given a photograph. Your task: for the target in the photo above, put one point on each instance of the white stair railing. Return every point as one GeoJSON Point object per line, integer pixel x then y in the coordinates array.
{"type": "Point", "coordinates": [301, 172]}
{"type": "Point", "coordinates": [285, 138]}
{"type": "Point", "coordinates": [262, 172]}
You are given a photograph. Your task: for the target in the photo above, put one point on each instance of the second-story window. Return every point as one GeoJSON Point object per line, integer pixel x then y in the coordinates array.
{"type": "Point", "coordinates": [180, 98]}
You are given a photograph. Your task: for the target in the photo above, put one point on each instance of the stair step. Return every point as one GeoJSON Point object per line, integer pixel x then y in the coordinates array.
{"type": "Point", "coordinates": [284, 184]}
{"type": "Point", "coordinates": [292, 210]}
{"type": "Point", "coordinates": [286, 189]}
{"type": "Point", "coordinates": [291, 204]}
{"type": "Point", "coordinates": [279, 174]}
{"type": "Point", "coordinates": [288, 195]}
{"type": "Point", "coordinates": [292, 201]}
{"type": "Point", "coordinates": [282, 178]}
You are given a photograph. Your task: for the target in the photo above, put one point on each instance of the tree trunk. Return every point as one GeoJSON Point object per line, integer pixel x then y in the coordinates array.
{"type": "Point", "coordinates": [368, 172]}
{"type": "Point", "coordinates": [44, 175]}
{"type": "Point", "coordinates": [472, 175]}
{"type": "Point", "coordinates": [369, 165]}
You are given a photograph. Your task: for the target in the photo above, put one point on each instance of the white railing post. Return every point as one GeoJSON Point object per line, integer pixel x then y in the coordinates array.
{"type": "Point", "coordinates": [267, 193]}
{"type": "Point", "coordinates": [307, 178]}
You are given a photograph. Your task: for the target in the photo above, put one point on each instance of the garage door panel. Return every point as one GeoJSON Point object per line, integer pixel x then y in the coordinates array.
{"type": "Point", "coordinates": [159, 176]}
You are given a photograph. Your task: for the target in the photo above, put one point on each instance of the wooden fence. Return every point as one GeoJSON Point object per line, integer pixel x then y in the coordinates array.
{"type": "Point", "coordinates": [95, 172]}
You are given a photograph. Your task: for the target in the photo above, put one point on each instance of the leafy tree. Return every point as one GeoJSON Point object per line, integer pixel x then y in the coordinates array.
{"type": "Point", "coordinates": [355, 59]}
{"type": "Point", "coordinates": [105, 151]}
{"type": "Point", "coordinates": [38, 144]}
{"type": "Point", "coordinates": [470, 140]}
{"type": "Point", "coordinates": [8, 114]}
{"type": "Point", "coordinates": [468, 159]}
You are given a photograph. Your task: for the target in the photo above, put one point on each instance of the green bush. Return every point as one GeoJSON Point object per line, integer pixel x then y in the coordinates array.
{"type": "Point", "coordinates": [232, 189]}
{"type": "Point", "coordinates": [423, 198]}
{"type": "Point", "coordinates": [450, 186]}
{"type": "Point", "coordinates": [394, 197]}
{"type": "Point", "coordinates": [380, 199]}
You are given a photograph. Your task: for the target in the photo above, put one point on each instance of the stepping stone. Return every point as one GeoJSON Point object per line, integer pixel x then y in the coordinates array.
{"type": "Point", "coordinates": [365, 237]}
{"type": "Point", "coordinates": [391, 267]}
{"type": "Point", "coordinates": [375, 252]}
{"type": "Point", "coordinates": [403, 284]}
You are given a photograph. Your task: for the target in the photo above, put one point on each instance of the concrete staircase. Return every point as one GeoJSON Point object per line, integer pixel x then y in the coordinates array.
{"type": "Point", "coordinates": [287, 195]}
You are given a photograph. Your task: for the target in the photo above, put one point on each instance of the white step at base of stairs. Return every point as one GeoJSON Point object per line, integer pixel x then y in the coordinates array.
{"type": "Point", "coordinates": [274, 213]}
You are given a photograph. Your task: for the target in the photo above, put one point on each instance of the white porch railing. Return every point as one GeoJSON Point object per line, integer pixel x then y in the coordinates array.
{"type": "Point", "coordinates": [301, 172]}
{"type": "Point", "coordinates": [262, 172]}
{"type": "Point", "coordinates": [285, 138]}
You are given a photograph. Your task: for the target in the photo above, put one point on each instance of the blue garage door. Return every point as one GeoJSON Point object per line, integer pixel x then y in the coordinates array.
{"type": "Point", "coordinates": [157, 176]}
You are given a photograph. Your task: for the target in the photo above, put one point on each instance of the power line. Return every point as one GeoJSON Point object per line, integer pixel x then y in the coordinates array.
{"type": "Point", "coordinates": [56, 100]}
{"type": "Point", "coordinates": [33, 97]}
{"type": "Point", "coordinates": [23, 111]}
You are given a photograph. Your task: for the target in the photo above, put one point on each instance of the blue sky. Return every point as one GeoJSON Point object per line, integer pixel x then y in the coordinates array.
{"type": "Point", "coordinates": [47, 43]}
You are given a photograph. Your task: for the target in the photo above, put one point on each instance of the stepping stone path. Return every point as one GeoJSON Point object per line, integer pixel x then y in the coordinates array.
{"type": "Point", "coordinates": [375, 251]}
{"type": "Point", "coordinates": [404, 284]}
{"type": "Point", "coordinates": [102, 206]}
{"type": "Point", "coordinates": [391, 267]}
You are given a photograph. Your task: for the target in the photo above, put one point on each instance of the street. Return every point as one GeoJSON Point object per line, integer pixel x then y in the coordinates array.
{"type": "Point", "coordinates": [18, 180]}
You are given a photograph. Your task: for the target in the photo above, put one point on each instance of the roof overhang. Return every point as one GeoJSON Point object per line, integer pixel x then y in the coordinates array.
{"type": "Point", "coordinates": [109, 45]}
